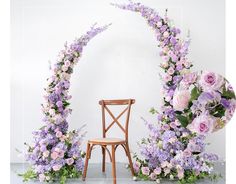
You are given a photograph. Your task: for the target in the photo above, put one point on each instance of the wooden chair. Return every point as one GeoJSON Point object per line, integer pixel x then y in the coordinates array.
{"type": "Point", "coordinates": [104, 142]}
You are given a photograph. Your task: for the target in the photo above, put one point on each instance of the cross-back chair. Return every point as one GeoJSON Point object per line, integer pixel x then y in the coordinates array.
{"type": "Point", "coordinates": [104, 142]}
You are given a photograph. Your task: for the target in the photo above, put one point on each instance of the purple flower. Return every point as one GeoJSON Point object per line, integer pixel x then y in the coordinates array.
{"type": "Point", "coordinates": [59, 104]}
{"type": "Point", "coordinates": [225, 102]}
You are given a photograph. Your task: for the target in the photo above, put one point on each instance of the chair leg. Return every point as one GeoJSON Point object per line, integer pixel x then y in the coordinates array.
{"type": "Point", "coordinates": [86, 161]}
{"type": "Point", "coordinates": [130, 160]}
{"type": "Point", "coordinates": [113, 164]}
{"type": "Point", "coordinates": [103, 159]}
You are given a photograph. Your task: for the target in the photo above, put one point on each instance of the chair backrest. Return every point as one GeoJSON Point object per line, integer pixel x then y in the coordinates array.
{"type": "Point", "coordinates": [105, 103]}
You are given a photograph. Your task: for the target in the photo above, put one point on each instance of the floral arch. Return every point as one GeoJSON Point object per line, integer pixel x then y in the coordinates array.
{"type": "Point", "coordinates": [56, 152]}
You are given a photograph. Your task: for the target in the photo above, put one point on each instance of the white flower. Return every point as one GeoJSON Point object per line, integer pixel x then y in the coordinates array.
{"type": "Point", "coordinates": [135, 178]}
{"type": "Point", "coordinates": [158, 181]}
{"type": "Point", "coordinates": [164, 64]}
{"type": "Point", "coordinates": [64, 68]}
{"type": "Point", "coordinates": [159, 24]}
{"type": "Point", "coordinates": [41, 177]}
{"type": "Point", "coordinates": [52, 112]}
{"type": "Point", "coordinates": [171, 177]}
{"type": "Point", "coordinates": [181, 99]}
{"type": "Point", "coordinates": [46, 154]}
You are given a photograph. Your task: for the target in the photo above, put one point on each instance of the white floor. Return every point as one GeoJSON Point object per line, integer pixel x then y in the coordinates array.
{"type": "Point", "coordinates": [96, 176]}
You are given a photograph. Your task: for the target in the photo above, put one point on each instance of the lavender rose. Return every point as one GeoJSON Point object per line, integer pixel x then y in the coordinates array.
{"type": "Point", "coordinates": [210, 81]}
{"type": "Point", "coordinates": [202, 124]}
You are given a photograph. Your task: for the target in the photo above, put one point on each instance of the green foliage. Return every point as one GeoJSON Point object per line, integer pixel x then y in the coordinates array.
{"type": "Point", "coordinates": [153, 111]}
{"type": "Point", "coordinates": [28, 175]}
{"type": "Point", "coordinates": [219, 111]}
{"type": "Point", "coordinates": [183, 120]}
{"type": "Point", "coordinates": [228, 94]}
{"type": "Point", "coordinates": [195, 93]}
{"type": "Point", "coordinates": [62, 175]}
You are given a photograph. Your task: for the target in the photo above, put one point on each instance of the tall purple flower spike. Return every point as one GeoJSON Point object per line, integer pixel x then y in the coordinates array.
{"type": "Point", "coordinates": [170, 151]}
{"type": "Point", "coordinates": [56, 152]}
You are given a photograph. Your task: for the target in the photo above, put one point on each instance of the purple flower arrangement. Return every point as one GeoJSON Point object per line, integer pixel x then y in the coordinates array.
{"type": "Point", "coordinates": [204, 102]}
{"type": "Point", "coordinates": [56, 152]}
{"type": "Point", "coordinates": [171, 150]}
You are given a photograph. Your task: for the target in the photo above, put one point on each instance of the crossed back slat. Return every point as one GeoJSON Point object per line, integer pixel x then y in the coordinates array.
{"type": "Point", "coordinates": [105, 103]}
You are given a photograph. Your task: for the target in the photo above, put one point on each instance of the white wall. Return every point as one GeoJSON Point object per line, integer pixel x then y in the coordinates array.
{"type": "Point", "coordinates": [120, 63]}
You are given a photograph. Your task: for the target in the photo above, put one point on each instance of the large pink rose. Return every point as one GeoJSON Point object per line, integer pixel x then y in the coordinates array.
{"type": "Point", "coordinates": [181, 99]}
{"type": "Point", "coordinates": [210, 81]}
{"type": "Point", "coordinates": [203, 124]}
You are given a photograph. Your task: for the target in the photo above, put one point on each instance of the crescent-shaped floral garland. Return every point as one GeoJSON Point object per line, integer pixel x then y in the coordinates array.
{"type": "Point", "coordinates": [56, 153]}
{"type": "Point", "coordinates": [171, 150]}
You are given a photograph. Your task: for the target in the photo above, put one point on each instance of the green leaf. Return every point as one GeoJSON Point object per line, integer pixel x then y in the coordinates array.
{"type": "Point", "coordinates": [153, 110]}
{"type": "Point", "coordinates": [228, 94]}
{"type": "Point", "coordinates": [194, 93]}
{"type": "Point", "coordinates": [183, 120]}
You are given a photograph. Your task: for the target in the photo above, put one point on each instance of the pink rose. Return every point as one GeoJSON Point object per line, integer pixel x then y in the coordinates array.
{"type": "Point", "coordinates": [180, 173]}
{"type": "Point", "coordinates": [211, 81]}
{"type": "Point", "coordinates": [145, 171]}
{"type": "Point", "coordinates": [170, 71]}
{"type": "Point", "coordinates": [136, 166]}
{"type": "Point", "coordinates": [58, 134]}
{"type": "Point", "coordinates": [61, 154]}
{"type": "Point", "coordinates": [56, 167]}
{"type": "Point", "coordinates": [167, 78]}
{"type": "Point", "coordinates": [67, 63]}
{"type": "Point", "coordinates": [187, 153]}
{"type": "Point", "coordinates": [157, 171]}
{"type": "Point", "coordinates": [153, 176]}
{"type": "Point", "coordinates": [54, 155]}
{"type": "Point", "coordinates": [181, 100]}
{"type": "Point", "coordinates": [70, 161]}
{"type": "Point", "coordinates": [202, 124]}
{"type": "Point", "coordinates": [189, 78]}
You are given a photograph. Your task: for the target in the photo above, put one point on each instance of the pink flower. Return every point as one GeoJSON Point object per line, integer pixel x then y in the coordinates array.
{"type": "Point", "coordinates": [61, 154]}
{"type": "Point", "coordinates": [166, 34]}
{"type": "Point", "coordinates": [70, 161]}
{"type": "Point", "coordinates": [41, 177]}
{"type": "Point", "coordinates": [56, 167]}
{"type": "Point", "coordinates": [145, 171]}
{"type": "Point", "coordinates": [46, 153]}
{"type": "Point", "coordinates": [166, 171]}
{"type": "Point", "coordinates": [210, 81]}
{"type": "Point", "coordinates": [157, 171]}
{"type": "Point", "coordinates": [167, 78]}
{"type": "Point", "coordinates": [67, 63]}
{"type": "Point", "coordinates": [190, 78]}
{"type": "Point", "coordinates": [153, 176]}
{"type": "Point", "coordinates": [54, 155]}
{"type": "Point", "coordinates": [230, 111]}
{"type": "Point", "coordinates": [187, 153]}
{"type": "Point", "coordinates": [202, 124]}
{"type": "Point", "coordinates": [181, 99]}
{"type": "Point", "coordinates": [180, 173]}
{"type": "Point", "coordinates": [136, 166]}
{"type": "Point", "coordinates": [58, 134]}
{"type": "Point", "coordinates": [170, 71]}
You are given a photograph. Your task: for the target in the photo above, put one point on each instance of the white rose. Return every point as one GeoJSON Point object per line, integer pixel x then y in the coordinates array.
{"type": "Point", "coordinates": [181, 100]}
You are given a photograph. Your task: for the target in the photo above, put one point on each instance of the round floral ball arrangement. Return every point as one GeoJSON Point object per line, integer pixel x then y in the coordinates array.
{"type": "Point", "coordinates": [56, 153]}
{"type": "Point", "coordinates": [204, 102]}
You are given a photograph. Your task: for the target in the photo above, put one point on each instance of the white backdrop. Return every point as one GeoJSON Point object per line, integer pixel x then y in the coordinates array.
{"type": "Point", "coordinates": [122, 62]}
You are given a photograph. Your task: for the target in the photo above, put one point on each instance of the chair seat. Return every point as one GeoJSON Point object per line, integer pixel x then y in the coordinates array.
{"type": "Point", "coordinates": [106, 141]}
